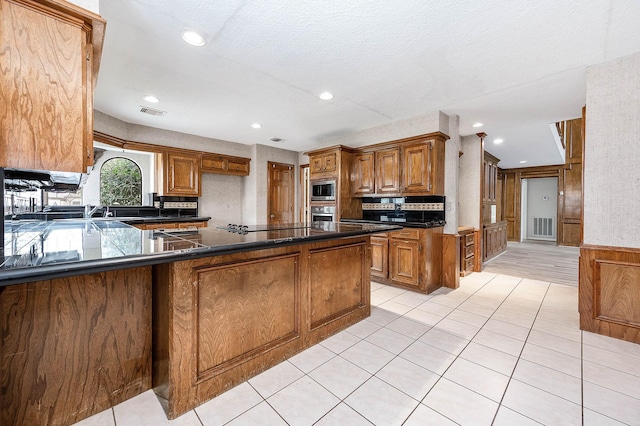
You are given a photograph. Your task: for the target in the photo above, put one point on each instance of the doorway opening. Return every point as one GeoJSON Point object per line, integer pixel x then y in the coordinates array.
{"type": "Point", "coordinates": [539, 198]}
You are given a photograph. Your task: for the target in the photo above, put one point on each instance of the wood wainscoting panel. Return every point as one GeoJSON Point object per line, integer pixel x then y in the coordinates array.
{"type": "Point", "coordinates": [336, 287]}
{"type": "Point", "coordinates": [609, 291]}
{"type": "Point", "coordinates": [617, 292]}
{"type": "Point", "coordinates": [72, 347]}
{"type": "Point", "coordinates": [451, 260]}
{"type": "Point", "coordinates": [229, 328]}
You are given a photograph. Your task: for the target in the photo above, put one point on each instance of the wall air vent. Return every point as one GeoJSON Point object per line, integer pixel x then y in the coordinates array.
{"type": "Point", "coordinates": [151, 111]}
{"type": "Point", "coordinates": [274, 139]}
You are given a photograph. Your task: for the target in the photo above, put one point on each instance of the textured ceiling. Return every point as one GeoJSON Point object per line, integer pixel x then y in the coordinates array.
{"type": "Point", "coordinates": [516, 66]}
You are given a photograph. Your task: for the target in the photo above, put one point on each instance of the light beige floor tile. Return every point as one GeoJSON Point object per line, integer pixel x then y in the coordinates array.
{"type": "Point", "coordinates": [303, 402]}
{"type": "Point", "coordinates": [390, 340]}
{"type": "Point", "coordinates": [103, 418]}
{"type": "Point", "coordinates": [507, 329]}
{"type": "Point", "coordinates": [426, 356]}
{"type": "Point", "coordinates": [570, 333]}
{"type": "Point", "coordinates": [435, 308]}
{"type": "Point", "coordinates": [408, 377]}
{"type": "Point", "coordinates": [445, 341]}
{"type": "Point", "coordinates": [262, 414]}
{"type": "Point", "coordinates": [467, 318]}
{"type": "Point", "coordinates": [408, 327]}
{"type": "Point", "coordinates": [376, 300]}
{"type": "Point", "coordinates": [366, 400]}
{"type": "Point", "coordinates": [476, 308]}
{"type": "Point", "coordinates": [489, 302]}
{"type": "Point", "coordinates": [618, 381]}
{"type": "Point", "coordinates": [382, 316]}
{"type": "Point", "coordinates": [549, 341]}
{"type": "Point", "coordinates": [146, 409]}
{"type": "Point", "coordinates": [609, 343]}
{"type": "Point", "coordinates": [615, 360]}
{"type": "Point", "coordinates": [591, 418]}
{"type": "Point", "coordinates": [368, 356]}
{"type": "Point", "coordinates": [363, 328]}
{"type": "Point", "coordinates": [452, 300]}
{"type": "Point", "coordinates": [457, 328]}
{"type": "Point", "coordinates": [343, 415]}
{"type": "Point", "coordinates": [497, 341]}
{"type": "Point", "coordinates": [563, 317]}
{"type": "Point", "coordinates": [276, 378]}
{"type": "Point", "coordinates": [229, 405]}
{"type": "Point", "coordinates": [340, 342]}
{"type": "Point", "coordinates": [552, 381]}
{"type": "Point", "coordinates": [611, 404]}
{"type": "Point", "coordinates": [340, 376]}
{"type": "Point", "coordinates": [556, 360]}
{"type": "Point", "coordinates": [521, 319]}
{"type": "Point", "coordinates": [423, 317]}
{"type": "Point", "coordinates": [395, 307]}
{"type": "Point", "coordinates": [376, 286]}
{"type": "Point", "coordinates": [424, 415]}
{"type": "Point", "coordinates": [541, 406]}
{"type": "Point", "coordinates": [486, 382]}
{"type": "Point", "coordinates": [460, 404]}
{"type": "Point", "coordinates": [491, 358]}
{"type": "Point", "coordinates": [507, 417]}
{"type": "Point", "coordinates": [412, 299]}
{"type": "Point", "coordinates": [311, 358]}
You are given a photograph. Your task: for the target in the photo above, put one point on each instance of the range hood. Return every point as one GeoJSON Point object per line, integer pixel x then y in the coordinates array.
{"type": "Point", "coordinates": [52, 181]}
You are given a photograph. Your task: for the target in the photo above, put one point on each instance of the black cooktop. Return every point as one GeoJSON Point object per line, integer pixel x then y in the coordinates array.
{"type": "Point", "coordinates": [245, 229]}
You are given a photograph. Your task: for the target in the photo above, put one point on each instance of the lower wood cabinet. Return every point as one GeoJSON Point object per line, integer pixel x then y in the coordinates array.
{"type": "Point", "coordinates": [170, 225]}
{"type": "Point", "coordinates": [410, 258]}
{"type": "Point", "coordinates": [220, 320]}
{"type": "Point", "coordinates": [467, 250]}
{"type": "Point", "coordinates": [494, 240]}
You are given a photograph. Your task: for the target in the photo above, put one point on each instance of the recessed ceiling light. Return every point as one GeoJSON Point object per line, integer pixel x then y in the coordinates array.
{"type": "Point", "coordinates": [498, 141]}
{"type": "Point", "coordinates": [478, 124]}
{"type": "Point", "coordinates": [151, 98]}
{"type": "Point", "coordinates": [256, 125]}
{"type": "Point", "coordinates": [523, 161]}
{"type": "Point", "coordinates": [325, 96]}
{"type": "Point", "coordinates": [193, 38]}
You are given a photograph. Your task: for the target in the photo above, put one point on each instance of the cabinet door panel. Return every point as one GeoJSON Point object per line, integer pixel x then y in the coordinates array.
{"type": "Point", "coordinates": [405, 262]}
{"type": "Point", "coordinates": [387, 171]}
{"type": "Point", "coordinates": [379, 257]}
{"type": "Point", "coordinates": [183, 175]}
{"type": "Point", "coordinates": [416, 171]}
{"type": "Point", "coordinates": [363, 170]}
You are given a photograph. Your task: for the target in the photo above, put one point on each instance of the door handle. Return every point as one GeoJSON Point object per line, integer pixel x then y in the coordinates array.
{"type": "Point", "coordinates": [272, 216]}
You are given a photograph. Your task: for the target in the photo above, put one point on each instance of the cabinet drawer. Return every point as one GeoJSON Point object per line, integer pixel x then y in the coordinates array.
{"type": "Point", "coordinates": [468, 264]}
{"type": "Point", "coordinates": [468, 239]}
{"type": "Point", "coordinates": [380, 235]}
{"type": "Point", "coordinates": [411, 234]}
{"type": "Point", "coordinates": [468, 251]}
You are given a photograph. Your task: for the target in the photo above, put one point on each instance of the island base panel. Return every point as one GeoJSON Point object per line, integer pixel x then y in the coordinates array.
{"type": "Point", "coordinates": [72, 347]}
{"type": "Point", "coordinates": [220, 320]}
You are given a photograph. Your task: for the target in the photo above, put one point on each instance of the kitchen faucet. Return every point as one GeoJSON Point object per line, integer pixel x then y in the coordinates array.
{"type": "Point", "coordinates": [88, 211]}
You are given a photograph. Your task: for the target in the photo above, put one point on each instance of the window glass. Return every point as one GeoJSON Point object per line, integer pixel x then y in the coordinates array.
{"type": "Point", "coordinates": [120, 183]}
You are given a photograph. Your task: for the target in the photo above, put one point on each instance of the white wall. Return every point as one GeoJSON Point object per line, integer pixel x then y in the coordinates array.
{"type": "Point", "coordinates": [469, 175]}
{"type": "Point", "coordinates": [92, 5]}
{"type": "Point", "coordinates": [222, 198]}
{"type": "Point", "coordinates": [612, 153]}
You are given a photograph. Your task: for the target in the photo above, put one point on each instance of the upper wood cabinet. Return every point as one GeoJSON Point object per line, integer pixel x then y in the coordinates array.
{"type": "Point", "coordinates": [364, 173]}
{"type": "Point", "coordinates": [181, 174]}
{"type": "Point", "coordinates": [324, 163]}
{"type": "Point", "coordinates": [417, 168]}
{"type": "Point", "coordinates": [489, 177]}
{"type": "Point", "coordinates": [388, 171]}
{"type": "Point", "coordinates": [224, 164]}
{"type": "Point", "coordinates": [49, 59]}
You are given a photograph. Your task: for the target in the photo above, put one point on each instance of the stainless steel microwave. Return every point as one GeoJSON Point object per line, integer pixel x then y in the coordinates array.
{"type": "Point", "coordinates": [323, 190]}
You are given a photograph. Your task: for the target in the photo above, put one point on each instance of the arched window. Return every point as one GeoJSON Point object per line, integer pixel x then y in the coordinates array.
{"type": "Point", "coordinates": [120, 183]}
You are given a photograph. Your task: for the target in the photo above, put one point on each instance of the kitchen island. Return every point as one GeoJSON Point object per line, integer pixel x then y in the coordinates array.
{"type": "Point", "coordinates": [94, 312]}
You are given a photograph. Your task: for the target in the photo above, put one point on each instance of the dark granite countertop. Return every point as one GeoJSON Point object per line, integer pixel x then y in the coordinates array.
{"type": "Point", "coordinates": [36, 250]}
{"type": "Point", "coordinates": [401, 224]}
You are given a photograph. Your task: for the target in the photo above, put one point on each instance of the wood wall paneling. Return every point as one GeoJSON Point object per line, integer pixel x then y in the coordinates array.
{"type": "Point", "coordinates": [609, 291]}
{"type": "Point", "coordinates": [72, 347]}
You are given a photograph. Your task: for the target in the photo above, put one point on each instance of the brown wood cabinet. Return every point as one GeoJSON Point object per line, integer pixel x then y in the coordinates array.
{"type": "Point", "coordinates": [387, 181]}
{"type": "Point", "coordinates": [224, 164]}
{"type": "Point", "coordinates": [380, 255]}
{"type": "Point", "coordinates": [494, 240]}
{"type": "Point", "coordinates": [324, 163]}
{"type": "Point", "coordinates": [49, 60]}
{"type": "Point", "coordinates": [170, 225]}
{"type": "Point", "coordinates": [181, 174]}
{"type": "Point", "coordinates": [364, 174]}
{"type": "Point", "coordinates": [410, 258]}
{"type": "Point", "coordinates": [417, 170]}
{"type": "Point", "coordinates": [490, 178]}
{"type": "Point", "coordinates": [467, 250]}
